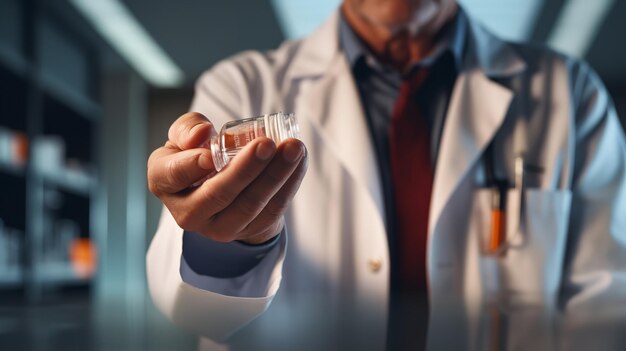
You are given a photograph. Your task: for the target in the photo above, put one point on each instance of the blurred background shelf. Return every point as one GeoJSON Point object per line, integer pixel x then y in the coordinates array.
{"type": "Point", "coordinates": [49, 115]}
{"type": "Point", "coordinates": [59, 90]}
{"type": "Point", "coordinates": [61, 273]}
{"type": "Point", "coordinates": [12, 169]}
{"type": "Point", "coordinates": [14, 62]}
{"type": "Point", "coordinates": [11, 278]}
{"type": "Point", "coordinates": [82, 186]}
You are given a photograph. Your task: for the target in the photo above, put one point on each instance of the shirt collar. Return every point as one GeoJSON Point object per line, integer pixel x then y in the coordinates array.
{"type": "Point", "coordinates": [452, 41]}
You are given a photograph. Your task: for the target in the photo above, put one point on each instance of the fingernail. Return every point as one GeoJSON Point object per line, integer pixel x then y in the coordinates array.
{"type": "Point", "coordinates": [265, 150]}
{"type": "Point", "coordinates": [292, 153]}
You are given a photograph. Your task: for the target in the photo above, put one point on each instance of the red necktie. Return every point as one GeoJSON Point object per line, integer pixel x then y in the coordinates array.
{"type": "Point", "coordinates": [412, 175]}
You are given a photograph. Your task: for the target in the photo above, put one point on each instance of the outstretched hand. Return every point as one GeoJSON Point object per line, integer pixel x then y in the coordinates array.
{"type": "Point", "coordinates": [245, 201]}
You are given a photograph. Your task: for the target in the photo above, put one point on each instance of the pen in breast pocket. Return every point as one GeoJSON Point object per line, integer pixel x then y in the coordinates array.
{"type": "Point", "coordinates": [498, 218]}
{"type": "Point", "coordinates": [499, 188]}
{"type": "Point", "coordinates": [498, 239]}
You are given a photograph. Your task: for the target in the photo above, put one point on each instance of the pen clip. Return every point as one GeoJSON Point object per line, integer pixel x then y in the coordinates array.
{"type": "Point", "coordinates": [519, 186]}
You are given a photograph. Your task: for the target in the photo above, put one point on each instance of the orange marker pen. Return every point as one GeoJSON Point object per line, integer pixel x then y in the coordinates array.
{"type": "Point", "coordinates": [499, 188]}
{"type": "Point", "coordinates": [498, 220]}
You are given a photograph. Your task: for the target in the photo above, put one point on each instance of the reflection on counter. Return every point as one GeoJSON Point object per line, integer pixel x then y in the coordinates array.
{"type": "Point", "coordinates": [519, 326]}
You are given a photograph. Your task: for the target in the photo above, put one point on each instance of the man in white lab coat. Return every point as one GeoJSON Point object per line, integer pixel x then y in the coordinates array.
{"type": "Point", "coordinates": [524, 127]}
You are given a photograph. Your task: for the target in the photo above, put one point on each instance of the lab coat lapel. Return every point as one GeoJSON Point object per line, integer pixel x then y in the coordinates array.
{"type": "Point", "coordinates": [476, 111]}
{"type": "Point", "coordinates": [329, 99]}
{"type": "Point", "coordinates": [335, 109]}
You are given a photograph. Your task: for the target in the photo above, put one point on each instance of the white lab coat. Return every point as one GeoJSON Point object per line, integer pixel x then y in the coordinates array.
{"type": "Point", "coordinates": [331, 269]}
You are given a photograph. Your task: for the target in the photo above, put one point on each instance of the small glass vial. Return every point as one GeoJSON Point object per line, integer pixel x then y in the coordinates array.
{"type": "Point", "coordinates": [237, 134]}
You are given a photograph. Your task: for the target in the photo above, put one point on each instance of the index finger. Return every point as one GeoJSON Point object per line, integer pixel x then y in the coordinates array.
{"type": "Point", "coordinates": [226, 185]}
{"type": "Point", "coordinates": [190, 130]}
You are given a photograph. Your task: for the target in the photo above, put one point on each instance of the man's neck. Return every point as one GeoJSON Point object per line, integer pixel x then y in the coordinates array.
{"type": "Point", "coordinates": [397, 49]}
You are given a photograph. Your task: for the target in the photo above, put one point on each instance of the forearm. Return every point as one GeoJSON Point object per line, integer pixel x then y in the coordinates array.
{"type": "Point", "coordinates": [220, 306]}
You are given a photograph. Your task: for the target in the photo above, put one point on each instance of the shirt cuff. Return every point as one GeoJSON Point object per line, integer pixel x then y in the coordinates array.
{"type": "Point", "coordinates": [207, 257]}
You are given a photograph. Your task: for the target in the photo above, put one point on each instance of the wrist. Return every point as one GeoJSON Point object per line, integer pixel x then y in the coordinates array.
{"type": "Point", "coordinates": [269, 236]}
{"type": "Point", "coordinates": [260, 240]}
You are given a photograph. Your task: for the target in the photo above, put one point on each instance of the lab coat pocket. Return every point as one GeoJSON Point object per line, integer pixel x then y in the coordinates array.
{"type": "Point", "coordinates": [530, 265]}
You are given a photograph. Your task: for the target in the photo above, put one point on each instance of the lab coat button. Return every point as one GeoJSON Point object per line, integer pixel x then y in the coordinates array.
{"type": "Point", "coordinates": [374, 264]}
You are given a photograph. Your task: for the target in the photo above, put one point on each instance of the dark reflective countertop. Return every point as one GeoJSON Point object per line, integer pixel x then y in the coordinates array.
{"type": "Point", "coordinates": [79, 323]}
